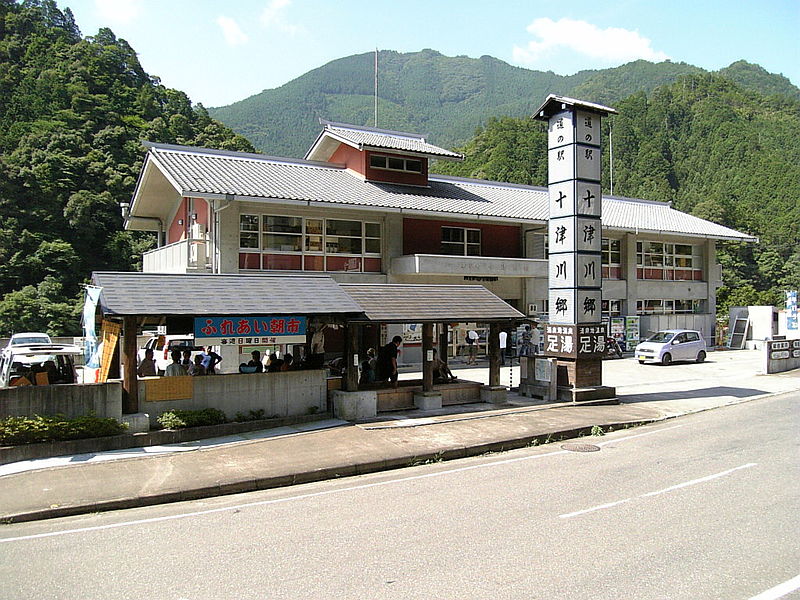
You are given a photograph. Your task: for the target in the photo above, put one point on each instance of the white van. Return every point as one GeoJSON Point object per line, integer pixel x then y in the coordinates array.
{"type": "Point", "coordinates": [38, 364]}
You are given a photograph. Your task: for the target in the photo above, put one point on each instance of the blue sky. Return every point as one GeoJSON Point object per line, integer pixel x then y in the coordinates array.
{"type": "Point", "coordinates": [221, 52]}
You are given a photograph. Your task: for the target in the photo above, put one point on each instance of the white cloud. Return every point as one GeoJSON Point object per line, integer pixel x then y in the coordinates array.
{"type": "Point", "coordinates": [231, 31]}
{"type": "Point", "coordinates": [612, 45]}
{"type": "Point", "coordinates": [118, 11]}
{"type": "Point", "coordinates": [274, 17]}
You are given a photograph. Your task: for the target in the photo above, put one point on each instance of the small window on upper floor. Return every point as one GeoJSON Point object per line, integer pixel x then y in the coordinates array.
{"type": "Point", "coordinates": [395, 163]}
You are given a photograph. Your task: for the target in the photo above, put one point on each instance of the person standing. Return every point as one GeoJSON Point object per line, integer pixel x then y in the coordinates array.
{"type": "Point", "coordinates": [503, 344]}
{"type": "Point", "coordinates": [525, 342]}
{"type": "Point", "coordinates": [536, 338]}
{"type": "Point", "coordinates": [472, 346]}
{"type": "Point", "coordinates": [387, 361]}
{"type": "Point", "coordinates": [147, 368]}
{"type": "Point", "coordinates": [175, 368]}
{"type": "Point", "coordinates": [210, 360]}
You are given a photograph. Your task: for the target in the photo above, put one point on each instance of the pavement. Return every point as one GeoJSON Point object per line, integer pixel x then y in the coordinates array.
{"type": "Point", "coordinates": [63, 486]}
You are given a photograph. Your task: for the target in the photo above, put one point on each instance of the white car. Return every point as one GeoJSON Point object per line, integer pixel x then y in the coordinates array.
{"type": "Point", "coordinates": [25, 339]}
{"type": "Point", "coordinates": [163, 345]}
{"type": "Point", "coordinates": [670, 345]}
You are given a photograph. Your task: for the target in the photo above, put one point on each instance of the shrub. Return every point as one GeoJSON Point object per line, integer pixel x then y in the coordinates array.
{"type": "Point", "coordinates": [252, 415]}
{"type": "Point", "coordinates": [30, 430]}
{"type": "Point", "coordinates": [178, 419]}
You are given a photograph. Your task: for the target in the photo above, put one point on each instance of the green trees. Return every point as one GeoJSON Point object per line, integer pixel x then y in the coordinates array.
{"type": "Point", "coordinates": [73, 112]}
{"type": "Point", "coordinates": [703, 143]}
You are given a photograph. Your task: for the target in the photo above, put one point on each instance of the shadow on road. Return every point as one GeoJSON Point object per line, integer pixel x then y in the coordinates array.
{"type": "Point", "coordinates": [711, 392]}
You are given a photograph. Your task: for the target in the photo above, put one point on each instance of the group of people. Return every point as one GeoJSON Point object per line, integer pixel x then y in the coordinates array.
{"type": "Point", "coordinates": [273, 364]}
{"type": "Point", "coordinates": [382, 366]}
{"type": "Point", "coordinates": [182, 363]}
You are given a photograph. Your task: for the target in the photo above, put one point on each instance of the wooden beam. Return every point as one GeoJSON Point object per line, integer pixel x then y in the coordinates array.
{"type": "Point", "coordinates": [443, 327]}
{"type": "Point", "coordinates": [493, 350]}
{"type": "Point", "coordinates": [130, 385]}
{"type": "Point", "coordinates": [427, 353]}
{"type": "Point", "coordinates": [351, 358]}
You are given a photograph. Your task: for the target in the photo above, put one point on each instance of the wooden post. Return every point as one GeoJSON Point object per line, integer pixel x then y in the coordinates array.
{"type": "Point", "coordinates": [130, 385]}
{"type": "Point", "coordinates": [427, 354]}
{"type": "Point", "coordinates": [443, 347]}
{"type": "Point", "coordinates": [493, 351]}
{"type": "Point", "coordinates": [351, 357]}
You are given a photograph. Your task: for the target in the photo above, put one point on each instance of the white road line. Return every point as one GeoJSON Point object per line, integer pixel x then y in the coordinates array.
{"type": "Point", "coordinates": [657, 492]}
{"type": "Point", "coordinates": [314, 494]}
{"type": "Point", "coordinates": [779, 591]}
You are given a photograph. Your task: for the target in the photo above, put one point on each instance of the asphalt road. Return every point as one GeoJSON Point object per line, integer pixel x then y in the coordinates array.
{"type": "Point", "coordinates": [705, 506]}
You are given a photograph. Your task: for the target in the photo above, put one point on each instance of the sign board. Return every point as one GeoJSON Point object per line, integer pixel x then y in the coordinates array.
{"type": "Point", "coordinates": [241, 330]}
{"type": "Point", "coordinates": [791, 310]}
{"type": "Point", "coordinates": [631, 331]}
{"type": "Point", "coordinates": [575, 341]}
{"type": "Point", "coordinates": [542, 370]}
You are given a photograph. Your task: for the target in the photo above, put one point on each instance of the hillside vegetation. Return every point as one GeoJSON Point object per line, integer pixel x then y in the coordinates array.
{"type": "Point", "coordinates": [712, 148]}
{"type": "Point", "coordinates": [446, 98]}
{"type": "Point", "coordinates": [73, 112]}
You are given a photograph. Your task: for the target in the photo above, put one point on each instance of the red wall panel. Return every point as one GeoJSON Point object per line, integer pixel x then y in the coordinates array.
{"type": "Point", "coordinates": [423, 236]}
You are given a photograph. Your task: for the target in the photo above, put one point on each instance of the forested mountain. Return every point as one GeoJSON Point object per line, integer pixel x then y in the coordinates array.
{"type": "Point", "coordinates": [74, 109]}
{"type": "Point", "coordinates": [73, 112]}
{"type": "Point", "coordinates": [712, 148]}
{"type": "Point", "coordinates": [447, 98]}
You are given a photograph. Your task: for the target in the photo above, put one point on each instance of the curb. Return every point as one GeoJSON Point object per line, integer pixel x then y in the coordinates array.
{"type": "Point", "coordinates": [314, 475]}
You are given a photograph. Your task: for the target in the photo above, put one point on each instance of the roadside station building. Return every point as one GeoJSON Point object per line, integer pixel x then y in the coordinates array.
{"type": "Point", "coordinates": [362, 207]}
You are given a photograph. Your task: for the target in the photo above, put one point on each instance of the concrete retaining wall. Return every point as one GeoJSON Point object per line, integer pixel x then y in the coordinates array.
{"type": "Point", "coordinates": [72, 400]}
{"type": "Point", "coordinates": [283, 394]}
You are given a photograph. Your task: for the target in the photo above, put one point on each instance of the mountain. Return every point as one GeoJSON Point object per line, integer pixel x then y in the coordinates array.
{"type": "Point", "coordinates": [73, 112]}
{"type": "Point", "coordinates": [447, 98]}
{"type": "Point", "coordinates": [704, 143]}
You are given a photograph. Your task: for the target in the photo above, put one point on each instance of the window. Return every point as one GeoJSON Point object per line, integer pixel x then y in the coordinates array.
{"type": "Point", "coordinates": [280, 242]}
{"type": "Point", "coordinates": [461, 241]}
{"type": "Point", "coordinates": [395, 163]}
{"type": "Point", "coordinates": [612, 267]}
{"type": "Point", "coordinates": [669, 307]}
{"type": "Point", "coordinates": [673, 262]}
{"type": "Point", "coordinates": [612, 308]}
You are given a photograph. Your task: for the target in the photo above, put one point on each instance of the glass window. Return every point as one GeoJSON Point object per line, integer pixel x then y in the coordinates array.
{"type": "Point", "coordinates": [282, 243]}
{"type": "Point", "coordinates": [336, 227]}
{"type": "Point", "coordinates": [283, 224]}
{"type": "Point", "coordinates": [459, 241]}
{"type": "Point", "coordinates": [395, 163]}
{"type": "Point", "coordinates": [674, 262]}
{"type": "Point", "coordinates": [248, 222]}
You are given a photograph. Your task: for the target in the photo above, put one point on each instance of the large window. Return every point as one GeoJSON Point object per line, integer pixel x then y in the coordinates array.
{"type": "Point", "coordinates": [612, 267]}
{"type": "Point", "coordinates": [461, 241]}
{"type": "Point", "coordinates": [673, 262]}
{"type": "Point", "coordinates": [268, 242]}
{"type": "Point", "coordinates": [395, 163]}
{"type": "Point", "coordinates": [669, 307]}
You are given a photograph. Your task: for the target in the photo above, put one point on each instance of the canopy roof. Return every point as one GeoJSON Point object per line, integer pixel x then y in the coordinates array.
{"type": "Point", "coordinates": [159, 294]}
{"type": "Point", "coordinates": [409, 303]}
{"type": "Point", "coordinates": [185, 295]}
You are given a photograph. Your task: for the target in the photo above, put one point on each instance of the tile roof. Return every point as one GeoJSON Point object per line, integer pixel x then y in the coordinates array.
{"type": "Point", "coordinates": [198, 171]}
{"type": "Point", "coordinates": [409, 303]}
{"type": "Point", "coordinates": [366, 137]}
{"type": "Point", "coordinates": [157, 294]}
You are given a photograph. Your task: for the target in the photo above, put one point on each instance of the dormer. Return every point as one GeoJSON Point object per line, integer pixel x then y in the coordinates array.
{"type": "Point", "coordinates": [378, 155]}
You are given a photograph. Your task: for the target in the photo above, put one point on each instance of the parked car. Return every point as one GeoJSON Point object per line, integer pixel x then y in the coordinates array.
{"type": "Point", "coordinates": [163, 345]}
{"type": "Point", "coordinates": [38, 364]}
{"type": "Point", "coordinates": [670, 345]}
{"type": "Point", "coordinates": [24, 339]}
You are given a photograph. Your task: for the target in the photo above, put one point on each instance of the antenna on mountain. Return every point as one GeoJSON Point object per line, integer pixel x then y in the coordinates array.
{"type": "Point", "coordinates": [376, 88]}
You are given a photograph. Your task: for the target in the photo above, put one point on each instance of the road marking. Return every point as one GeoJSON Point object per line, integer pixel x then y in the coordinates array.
{"type": "Point", "coordinates": [779, 591]}
{"type": "Point", "coordinates": [314, 494]}
{"type": "Point", "coordinates": [671, 488]}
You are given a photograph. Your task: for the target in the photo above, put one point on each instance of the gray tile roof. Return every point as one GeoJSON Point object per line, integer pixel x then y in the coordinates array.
{"type": "Point", "coordinates": [408, 303]}
{"type": "Point", "coordinates": [198, 171]}
{"type": "Point", "coordinates": [366, 137]}
{"type": "Point", "coordinates": [152, 294]}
